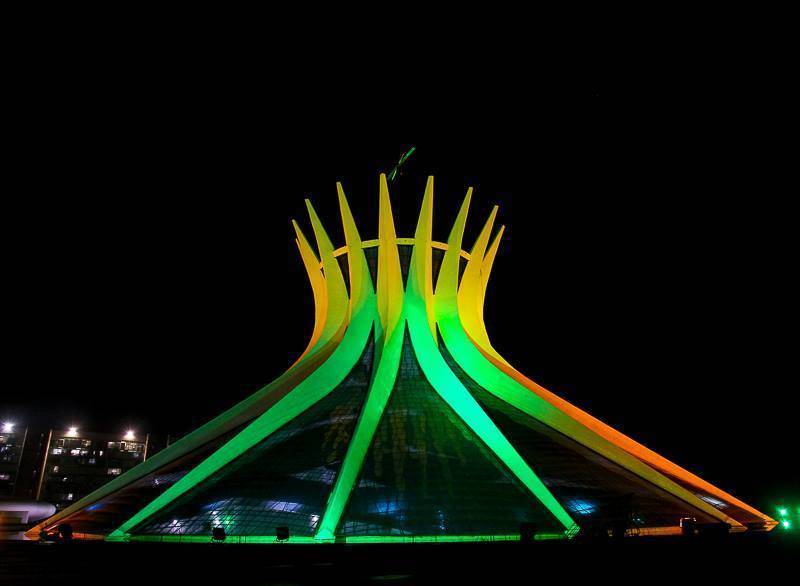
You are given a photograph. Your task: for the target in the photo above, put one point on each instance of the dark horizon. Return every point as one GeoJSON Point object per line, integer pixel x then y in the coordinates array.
{"type": "Point", "coordinates": [155, 280]}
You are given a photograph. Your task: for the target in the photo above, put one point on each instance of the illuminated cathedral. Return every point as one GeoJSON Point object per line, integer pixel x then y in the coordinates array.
{"type": "Point", "coordinates": [401, 422]}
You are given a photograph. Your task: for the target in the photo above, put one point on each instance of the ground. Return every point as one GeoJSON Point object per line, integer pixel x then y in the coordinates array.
{"type": "Point", "coordinates": [737, 557]}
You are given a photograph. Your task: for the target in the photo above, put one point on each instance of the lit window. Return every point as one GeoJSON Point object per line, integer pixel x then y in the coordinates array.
{"type": "Point", "coordinates": [55, 469]}
{"type": "Point", "coordinates": [5, 476]}
{"type": "Point", "coordinates": [57, 451]}
{"type": "Point", "coordinates": [114, 471]}
{"type": "Point", "coordinates": [69, 496]}
{"type": "Point", "coordinates": [92, 461]}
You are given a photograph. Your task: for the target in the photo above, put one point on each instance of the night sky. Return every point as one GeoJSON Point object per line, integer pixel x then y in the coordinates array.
{"type": "Point", "coordinates": [647, 273]}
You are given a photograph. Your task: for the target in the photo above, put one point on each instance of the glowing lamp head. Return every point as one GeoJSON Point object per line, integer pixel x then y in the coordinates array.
{"type": "Point", "coordinates": [8, 427]}
{"type": "Point", "coordinates": [72, 430]}
{"type": "Point", "coordinates": [783, 511]}
{"type": "Point", "coordinates": [786, 524]}
{"type": "Point", "coordinates": [130, 435]}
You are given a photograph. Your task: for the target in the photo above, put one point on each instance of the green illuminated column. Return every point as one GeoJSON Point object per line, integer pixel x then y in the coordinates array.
{"type": "Point", "coordinates": [311, 390]}
{"type": "Point", "coordinates": [377, 398]}
{"type": "Point", "coordinates": [442, 378]}
{"type": "Point", "coordinates": [390, 299]}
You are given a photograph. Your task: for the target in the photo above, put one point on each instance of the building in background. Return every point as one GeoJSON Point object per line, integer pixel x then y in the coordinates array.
{"type": "Point", "coordinates": [77, 462]}
{"type": "Point", "coordinates": [43, 470]}
{"type": "Point", "coordinates": [12, 443]}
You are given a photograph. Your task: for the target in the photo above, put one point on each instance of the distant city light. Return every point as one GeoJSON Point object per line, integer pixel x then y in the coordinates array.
{"type": "Point", "coordinates": [130, 435]}
{"type": "Point", "coordinates": [786, 524]}
{"type": "Point", "coordinates": [72, 431]}
{"type": "Point", "coordinates": [8, 427]}
{"type": "Point", "coordinates": [783, 511]}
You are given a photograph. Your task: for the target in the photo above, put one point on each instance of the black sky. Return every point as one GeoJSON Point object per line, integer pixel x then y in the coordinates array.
{"type": "Point", "coordinates": [647, 273]}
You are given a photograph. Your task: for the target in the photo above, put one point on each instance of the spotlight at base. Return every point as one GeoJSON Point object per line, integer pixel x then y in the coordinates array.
{"type": "Point", "coordinates": [130, 435]}
{"type": "Point", "coordinates": [72, 430]}
{"type": "Point", "coordinates": [8, 427]}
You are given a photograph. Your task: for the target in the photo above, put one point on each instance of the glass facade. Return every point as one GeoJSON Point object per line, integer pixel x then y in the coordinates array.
{"type": "Point", "coordinates": [283, 481]}
{"type": "Point", "coordinates": [427, 474]}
